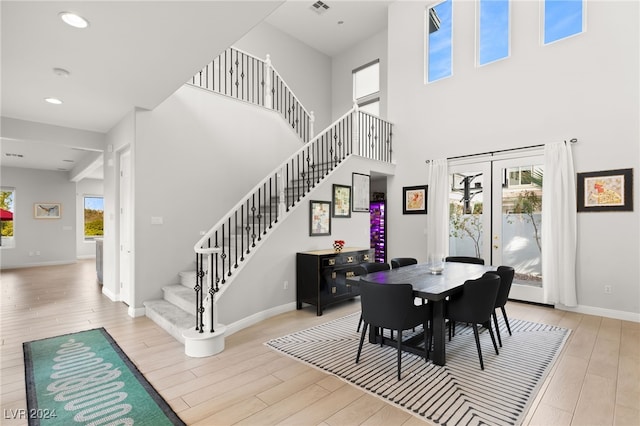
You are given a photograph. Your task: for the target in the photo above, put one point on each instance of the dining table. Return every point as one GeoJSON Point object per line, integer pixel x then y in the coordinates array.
{"type": "Point", "coordinates": [431, 284]}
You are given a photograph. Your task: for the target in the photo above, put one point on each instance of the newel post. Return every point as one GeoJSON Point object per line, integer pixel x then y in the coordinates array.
{"type": "Point", "coordinates": [268, 84]}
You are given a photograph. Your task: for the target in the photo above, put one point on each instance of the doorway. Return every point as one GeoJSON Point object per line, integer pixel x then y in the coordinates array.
{"type": "Point", "coordinates": [495, 212]}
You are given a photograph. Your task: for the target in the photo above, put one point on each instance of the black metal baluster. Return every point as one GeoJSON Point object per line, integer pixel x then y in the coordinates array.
{"type": "Point", "coordinates": [248, 228]}
{"type": "Point", "coordinates": [264, 209]}
{"type": "Point", "coordinates": [223, 255]}
{"type": "Point", "coordinates": [259, 215]}
{"type": "Point", "coordinates": [253, 220]}
{"type": "Point", "coordinates": [287, 188]}
{"type": "Point", "coordinates": [235, 238]}
{"type": "Point", "coordinates": [242, 233]}
{"type": "Point", "coordinates": [198, 287]}
{"type": "Point", "coordinates": [229, 247]}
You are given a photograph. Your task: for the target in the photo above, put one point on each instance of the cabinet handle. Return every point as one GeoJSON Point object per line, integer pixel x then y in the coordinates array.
{"type": "Point", "coordinates": [366, 257]}
{"type": "Point", "coordinates": [349, 259]}
{"type": "Point", "coordinates": [351, 274]}
{"type": "Point", "coordinates": [332, 261]}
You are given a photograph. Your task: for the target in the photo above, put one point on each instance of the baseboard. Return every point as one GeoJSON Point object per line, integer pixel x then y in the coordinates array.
{"type": "Point", "coordinates": [86, 256]}
{"type": "Point", "coordinates": [602, 312]}
{"type": "Point", "coordinates": [136, 312]}
{"type": "Point", "coordinates": [114, 297]}
{"type": "Point", "coordinates": [34, 265]}
{"type": "Point", "coordinates": [259, 316]}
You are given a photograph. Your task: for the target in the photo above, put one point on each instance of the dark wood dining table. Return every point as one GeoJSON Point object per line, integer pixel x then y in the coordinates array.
{"type": "Point", "coordinates": [433, 287]}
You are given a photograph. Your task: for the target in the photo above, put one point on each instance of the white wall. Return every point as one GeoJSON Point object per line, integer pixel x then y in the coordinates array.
{"type": "Point", "coordinates": [53, 239]}
{"type": "Point", "coordinates": [85, 187]}
{"type": "Point", "coordinates": [342, 67]}
{"type": "Point", "coordinates": [305, 70]}
{"type": "Point", "coordinates": [260, 286]}
{"type": "Point", "coordinates": [584, 87]}
{"type": "Point", "coordinates": [196, 155]}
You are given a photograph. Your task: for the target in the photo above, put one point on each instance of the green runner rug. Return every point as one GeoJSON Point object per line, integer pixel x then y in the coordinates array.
{"type": "Point", "coordinates": [85, 378]}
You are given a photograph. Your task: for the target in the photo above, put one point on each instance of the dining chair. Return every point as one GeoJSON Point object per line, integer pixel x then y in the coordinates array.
{"type": "Point", "coordinates": [465, 259]}
{"type": "Point", "coordinates": [367, 268]}
{"type": "Point", "coordinates": [391, 306]}
{"type": "Point", "coordinates": [506, 274]}
{"type": "Point", "coordinates": [398, 262]}
{"type": "Point", "coordinates": [475, 305]}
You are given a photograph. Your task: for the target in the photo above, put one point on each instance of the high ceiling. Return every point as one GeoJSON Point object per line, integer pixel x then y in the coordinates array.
{"type": "Point", "coordinates": [133, 55]}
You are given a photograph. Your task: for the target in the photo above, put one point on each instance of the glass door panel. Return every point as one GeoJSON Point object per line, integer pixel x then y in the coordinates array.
{"type": "Point", "coordinates": [517, 223]}
{"type": "Point", "coordinates": [470, 210]}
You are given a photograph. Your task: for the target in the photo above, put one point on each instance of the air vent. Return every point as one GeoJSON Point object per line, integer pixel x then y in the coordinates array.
{"type": "Point", "coordinates": [319, 7]}
{"type": "Point", "coordinates": [10, 154]}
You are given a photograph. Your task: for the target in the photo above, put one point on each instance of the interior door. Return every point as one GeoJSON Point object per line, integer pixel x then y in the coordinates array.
{"type": "Point", "coordinates": [517, 223]}
{"type": "Point", "coordinates": [125, 227]}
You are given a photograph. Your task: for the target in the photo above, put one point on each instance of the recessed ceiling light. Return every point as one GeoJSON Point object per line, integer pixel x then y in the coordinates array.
{"type": "Point", "coordinates": [54, 101]}
{"type": "Point", "coordinates": [340, 22]}
{"type": "Point", "coordinates": [67, 161]}
{"type": "Point", "coordinates": [74, 20]}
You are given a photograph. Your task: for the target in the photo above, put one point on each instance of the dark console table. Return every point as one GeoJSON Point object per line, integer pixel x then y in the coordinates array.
{"type": "Point", "coordinates": [316, 273]}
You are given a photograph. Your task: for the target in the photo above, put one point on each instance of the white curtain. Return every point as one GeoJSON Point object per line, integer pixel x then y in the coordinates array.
{"type": "Point", "coordinates": [438, 208]}
{"type": "Point", "coordinates": [559, 228]}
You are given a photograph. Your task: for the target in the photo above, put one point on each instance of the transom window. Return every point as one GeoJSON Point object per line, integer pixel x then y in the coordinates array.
{"type": "Point", "coordinates": [562, 19]}
{"type": "Point", "coordinates": [493, 30]}
{"type": "Point", "coordinates": [439, 47]}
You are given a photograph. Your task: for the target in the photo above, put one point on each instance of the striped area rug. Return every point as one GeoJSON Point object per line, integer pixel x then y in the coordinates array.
{"type": "Point", "coordinates": [455, 394]}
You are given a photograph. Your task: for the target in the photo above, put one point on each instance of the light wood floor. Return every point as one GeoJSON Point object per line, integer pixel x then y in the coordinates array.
{"type": "Point", "coordinates": [596, 380]}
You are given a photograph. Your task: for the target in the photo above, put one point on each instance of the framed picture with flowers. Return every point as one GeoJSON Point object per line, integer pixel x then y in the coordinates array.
{"type": "Point", "coordinates": [414, 199]}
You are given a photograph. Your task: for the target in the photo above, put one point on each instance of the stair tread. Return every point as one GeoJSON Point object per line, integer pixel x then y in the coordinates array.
{"type": "Point", "coordinates": [170, 312]}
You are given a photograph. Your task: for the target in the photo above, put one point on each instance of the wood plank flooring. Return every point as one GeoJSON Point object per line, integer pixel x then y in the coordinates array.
{"type": "Point", "coordinates": [596, 380]}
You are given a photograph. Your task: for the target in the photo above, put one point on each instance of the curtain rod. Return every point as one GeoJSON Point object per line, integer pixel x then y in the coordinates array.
{"type": "Point", "coordinates": [573, 140]}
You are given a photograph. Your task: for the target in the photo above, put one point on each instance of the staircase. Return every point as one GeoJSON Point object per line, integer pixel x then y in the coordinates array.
{"type": "Point", "coordinates": [188, 309]}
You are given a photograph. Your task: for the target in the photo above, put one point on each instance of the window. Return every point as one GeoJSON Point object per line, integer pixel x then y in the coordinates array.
{"type": "Point", "coordinates": [439, 50]}
{"type": "Point", "coordinates": [523, 176]}
{"type": "Point", "coordinates": [366, 87]}
{"type": "Point", "coordinates": [93, 217]}
{"type": "Point", "coordinates": [493, 30]}
{"type": "Point", "coordinates": [7, 207]}
{"type": "Point", "coordinates": [562, 19]}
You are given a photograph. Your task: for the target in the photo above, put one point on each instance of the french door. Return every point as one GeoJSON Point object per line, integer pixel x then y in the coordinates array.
{"type": "Point", "coordinates": [495, 210]}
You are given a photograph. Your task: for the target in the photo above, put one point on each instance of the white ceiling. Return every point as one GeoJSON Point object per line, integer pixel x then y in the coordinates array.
{"type": "Point", "coordinates": [134, 54]}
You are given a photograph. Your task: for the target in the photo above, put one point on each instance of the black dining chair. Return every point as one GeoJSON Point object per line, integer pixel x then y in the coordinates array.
{"type": "Point", "coordinates": [465, 259]}
{"type": "Point", "coordinates": [367, 268]}
{"type": "Point", "coordinates": [506, 274]}
{"type": "Point", "coordinates": [474, 305]}
{"type": "Point", "coordinates": [398, 262]}
{"type": "Point", "coordinates": [391, 306]}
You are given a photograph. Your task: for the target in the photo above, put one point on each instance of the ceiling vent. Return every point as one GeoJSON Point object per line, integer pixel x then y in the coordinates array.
{"type": "Point", "coordinates": [319, 7]}
{"type": "Point", "coordinates": [11, 154]}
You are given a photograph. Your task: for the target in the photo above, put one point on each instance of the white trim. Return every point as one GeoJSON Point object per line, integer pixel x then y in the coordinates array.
{"type": "Point", "coordinates": [136, 312]}
{"type": "Point", "coordinates": [31, 265]}
{"type": "Point", "coordinates": [602, 312]}
{"type": "Point", "coordinates": [258, 317]}
{"type": "Point", "coordinates": [111, 295]}
{"type": "Point", "coordinates": [86, 256]}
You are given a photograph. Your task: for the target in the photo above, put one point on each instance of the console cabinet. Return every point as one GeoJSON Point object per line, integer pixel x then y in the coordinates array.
{"type": "Point", "coordinates": [316, 273]}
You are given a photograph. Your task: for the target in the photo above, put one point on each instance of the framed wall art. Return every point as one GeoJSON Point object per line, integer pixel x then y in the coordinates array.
{"type": "Point", "coordinates": [360, 186]}
{"type": "Point", "coordinates": [608, 190]}
{"type": "Point", "coordinates": [414, 199]}
{"type": "Point", "coordinates": [341, 201]}
{"type": "Point", "coordinates": [47, 210]}
{"type": "Point", "coordinates": [319, 218]}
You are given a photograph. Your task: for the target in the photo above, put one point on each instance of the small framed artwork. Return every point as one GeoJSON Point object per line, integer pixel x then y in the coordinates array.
{"type": "Point", "coordinates": [414, 199]}
{"type": "Point", "coordinates": [360, 198]}
{"type": "Point", "coordinates": [47, 210]}
{"type": "Point", "coordinates": [609, 190]}
{"type": "Point", "coordinates": [319, 218]}
{"type": "Point", "coordinates": [341, 201]}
